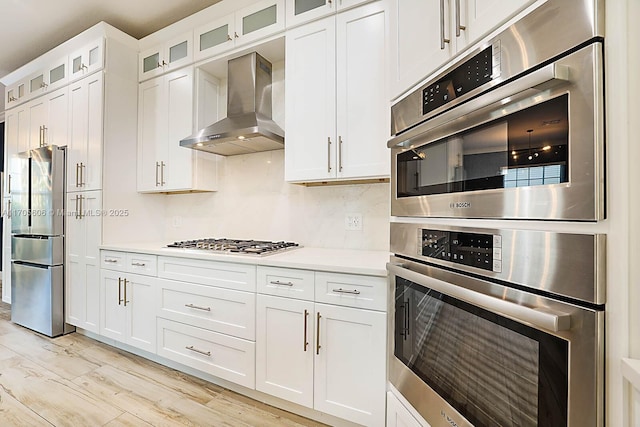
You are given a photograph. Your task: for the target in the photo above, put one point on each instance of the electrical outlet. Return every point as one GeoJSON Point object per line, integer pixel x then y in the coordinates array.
{"type": "Point", "coordinates": [353, 221]}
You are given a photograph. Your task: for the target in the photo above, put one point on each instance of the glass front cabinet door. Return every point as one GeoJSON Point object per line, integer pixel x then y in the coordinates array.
{"type": "Point", "coordinates": [86, 60]}
{"type": "Point", "coordinates": [168, 56]}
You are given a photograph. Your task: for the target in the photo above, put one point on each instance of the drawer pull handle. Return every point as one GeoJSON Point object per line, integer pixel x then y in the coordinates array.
{"type": "Point", "coordinates": [277, 282]}
{"type": "Point", "coordinates": [138, 264]}
{"type": "Point", "coordinates": [192, 348]}
{"type": "Point", "coordinates": [110, 260]}
{"type": "Point", "coordinates": [198, 308]}
{"type": "Point", "coordinates": [346, 291]}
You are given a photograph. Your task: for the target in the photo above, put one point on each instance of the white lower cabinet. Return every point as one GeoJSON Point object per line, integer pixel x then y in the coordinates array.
{"type": "Point", "coordinates": [285, 340]}
{"type": "Point", "coordinates": [127, 311]}
{"type": "Point", "coordinates": [284, 348]}
{"type": "Point", "coordinates": [84, 233]}
{"type": "Point", "coordinates": [350, 365]}
{"type": "Point", "coordinates": [399, 416]}
{"type": "Point", "coordinates": [221, 355]}
{"type": "Point", "coordinates": [326, 357]}
{"type": "Point", "coordinates": [221, 310]}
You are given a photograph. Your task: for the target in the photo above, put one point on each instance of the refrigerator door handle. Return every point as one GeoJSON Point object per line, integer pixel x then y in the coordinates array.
{"type": "Point", "coordinates": [31, 264]}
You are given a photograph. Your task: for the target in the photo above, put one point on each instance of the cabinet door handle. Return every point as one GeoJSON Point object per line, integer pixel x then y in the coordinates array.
{"type": "Point", "coordinates": [329, 154]}
{"type": "Point", "coordinates": [157, 167]}
{"type": "Point", "coordinates": [9, 210]}
{"type": "Point", "coordinates": [442, 39]}
{"type": "Point", "coordinates": [192, 348]}
{"type": "Point", "coordinates": [44, 135]}
{"type": "Point", "coordinates": [40, 136]}
{"type": "Point", "coordinates": [110, 260]}
{"type": "Point", "coordinates": [138, 264]}
{"type": "Point", "coordinates": [339, 153]}
{"type": "Point", "coordinates": [278, 282]}
{"type": "Point", "coordinates": [346, 291]}
{"type": "Point", "coordinates": [229, 38]}
{"type": "Point", "coordinates": [306, 316]}
{"type": "Point", "coordinates": [77, 199]}
{"type": "Point", "coordinates": [120, 291]}
{"type": "Point", "coordinates": [235, 34]}
{"type": "Point", "coordinates": [162, 165]}
{"type": "Point", "coordinates": [124, 282]}
{"type": "Point", "coordinates": [82, 166]}
{"type": "Point", "coordinates": [77, 174]}
{"type": "Point", "coordinates": [84, 67]}
{"type": "Point", "coordinates": [198, 307]}
{"type": "Point", "coordinates": [81, 214]}
{"type": "Point", "coordinates": [318, 333]}
{"type": "Point", "coordinates": [458, 26]}
{"type": "Point", "coordinates": [9, 183]}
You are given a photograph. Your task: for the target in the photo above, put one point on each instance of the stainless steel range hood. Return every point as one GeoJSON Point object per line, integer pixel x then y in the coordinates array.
{"type": "Point", "coordinates": [248, 127]}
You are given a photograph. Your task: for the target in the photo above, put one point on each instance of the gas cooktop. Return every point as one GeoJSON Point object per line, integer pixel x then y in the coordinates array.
{"type": "Point", "coordinates": [233, 246]}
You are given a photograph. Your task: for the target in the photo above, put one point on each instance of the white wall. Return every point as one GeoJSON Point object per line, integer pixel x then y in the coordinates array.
{"type": "Point", "coordinates": [255, 202]}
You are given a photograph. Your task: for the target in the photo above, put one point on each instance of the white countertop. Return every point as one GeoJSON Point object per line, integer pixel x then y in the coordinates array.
{"type": "Point", "coordinates": [372, 263]}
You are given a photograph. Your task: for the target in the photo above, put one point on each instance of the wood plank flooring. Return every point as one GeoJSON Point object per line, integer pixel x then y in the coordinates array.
{"type": "Point", "coordinates": [76, 381]}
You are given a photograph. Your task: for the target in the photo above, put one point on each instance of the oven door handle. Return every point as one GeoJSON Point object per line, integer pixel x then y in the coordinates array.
{"type": "Point", "coordinates": [539, 80]}
{"type": "Point", "coordinates": [546, 319]}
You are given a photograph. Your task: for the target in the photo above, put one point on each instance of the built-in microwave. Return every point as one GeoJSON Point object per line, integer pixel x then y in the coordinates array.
{"type": "Point", "coordinates": [502, 133]}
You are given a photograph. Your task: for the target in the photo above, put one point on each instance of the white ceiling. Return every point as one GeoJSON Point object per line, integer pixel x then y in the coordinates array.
{"type": "Point", "coordinates": [29, 28]}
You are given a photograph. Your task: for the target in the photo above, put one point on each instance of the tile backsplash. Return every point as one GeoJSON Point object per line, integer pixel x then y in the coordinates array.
{"type": "Point", "coordinates": [255, 202]}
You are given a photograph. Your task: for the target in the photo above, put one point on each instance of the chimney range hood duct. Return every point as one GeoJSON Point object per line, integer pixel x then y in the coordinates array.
{"type": "Point", "coordinates": [248, 127]}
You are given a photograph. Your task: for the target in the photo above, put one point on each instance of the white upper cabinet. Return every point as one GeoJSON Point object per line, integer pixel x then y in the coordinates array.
{"type": "Point", "coordinates": [84, 151]}
{"type": "Point", "coordinates": [86, 60]}
{"type": "Point", "coordinates": [310, 67]}
{"type": "Point", "coordinates": [425, 34]}
{"type": "Point", "coordinates": [336, 99]}
{"type": "Point", "coordinates": [246, 25]}
{"type": "Point", "coordinates": [165, 116]}
{"type": "Point", "coordinates": [47, 79]}
{"type": "Point", "coordinates": [259, 20]}
{"type": "Point", "coordinates": [301, 11]}
{"type": "Point", "coordinates": [168, 56]}
{"type": "Point", "coordinates": [215, 37]}
{"type": "Point", "coordinates": [15, 94]}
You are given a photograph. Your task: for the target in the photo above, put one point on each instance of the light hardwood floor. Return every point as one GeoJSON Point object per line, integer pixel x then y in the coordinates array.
{"type": "Point", "coordinates": [76, 381]}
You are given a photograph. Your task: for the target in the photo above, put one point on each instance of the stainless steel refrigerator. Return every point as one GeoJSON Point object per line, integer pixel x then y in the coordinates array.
{"type": "Point", "coordinates": [37, 240]}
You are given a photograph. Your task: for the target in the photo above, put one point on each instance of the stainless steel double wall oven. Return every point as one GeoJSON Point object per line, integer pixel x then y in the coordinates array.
{"type": "Point", "coordinates": [503, 325]}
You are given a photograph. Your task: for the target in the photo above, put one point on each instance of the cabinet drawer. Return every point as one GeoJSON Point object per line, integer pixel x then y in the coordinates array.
{"type": "Point", "coordinates": [241, 277]}
{"type": "Point", "coordinates": [286, 282]}
{"type": "Point", "coordinates": [221, 310]}
{"type": "Point", "coordinates": [226, 357]}
{"type": "Point", "coordinates": [351, 290]}
{"type": "Point", "coordinates": [142, 264]}
{"type": "Point", "coordinates": [112, 260]}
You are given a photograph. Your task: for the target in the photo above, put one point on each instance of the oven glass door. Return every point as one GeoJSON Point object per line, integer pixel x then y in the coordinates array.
{"type": "Point", "coordinates": [524, 149]}
{"type": "Point", "coordinates": [492, 370]}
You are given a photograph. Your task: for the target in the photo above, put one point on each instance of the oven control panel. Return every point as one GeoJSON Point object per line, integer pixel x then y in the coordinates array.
{"type": "Point", "coordinates": [468, 76]}
{"type": "Point", "coordinates": [473, 249]}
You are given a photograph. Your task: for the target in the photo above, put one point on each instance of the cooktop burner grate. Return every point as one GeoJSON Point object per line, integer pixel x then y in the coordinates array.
{"type": "Point", "coordinates": [250, 247]}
